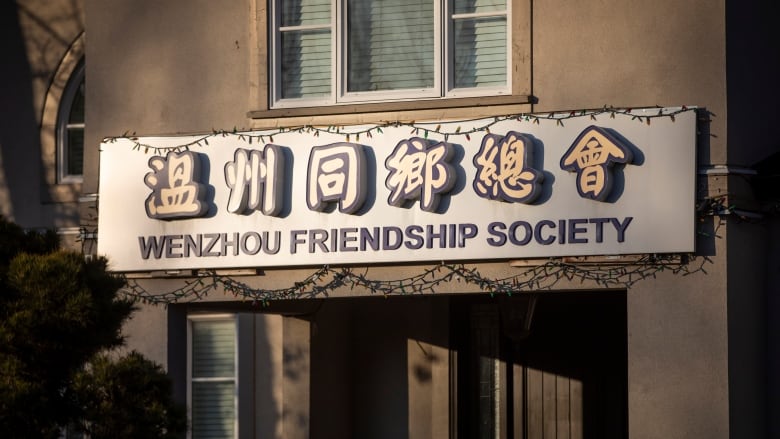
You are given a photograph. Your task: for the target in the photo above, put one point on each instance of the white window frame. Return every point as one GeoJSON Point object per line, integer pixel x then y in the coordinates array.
{"type": "Point", "coordinates": [64, 125]}
{"type": "Point", "coordinates": [443, 87]}
{"type": "Point", "coordinates": [347, 97]}
{"type": "Point", "coordinates": [190, 380]}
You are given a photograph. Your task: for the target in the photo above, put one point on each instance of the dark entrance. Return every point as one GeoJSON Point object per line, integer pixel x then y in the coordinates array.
{"type": "Point", "coordinates": [566, 377]}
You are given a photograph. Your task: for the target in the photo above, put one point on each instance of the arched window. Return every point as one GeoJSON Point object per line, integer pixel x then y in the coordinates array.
{"type": "Point", "coordinates": [70, 129]}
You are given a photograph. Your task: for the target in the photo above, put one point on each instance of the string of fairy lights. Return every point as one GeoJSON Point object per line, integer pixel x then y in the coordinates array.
{"type": "Point", "coordinates": [324, 281]}
{"type": "Point", "coordinates": [445, 131]}
{"type": "Point", "coordinates": [544, 275]}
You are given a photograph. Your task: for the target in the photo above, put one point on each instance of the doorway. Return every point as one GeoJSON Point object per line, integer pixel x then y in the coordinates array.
{"type": "Point", "coordinates": [562, 374]}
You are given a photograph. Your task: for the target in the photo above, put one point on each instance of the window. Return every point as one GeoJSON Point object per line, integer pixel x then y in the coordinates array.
{"type": "Point", "coordinates": [483, 379]}
{"type": "Point", "coordinates": [70, 129]}
{"type": "Point", "coordinates": [327, 52]}
{"type": "Point", "coordinates": [212, 376]}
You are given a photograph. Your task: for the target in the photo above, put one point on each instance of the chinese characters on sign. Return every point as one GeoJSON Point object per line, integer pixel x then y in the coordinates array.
{"type": "Point", "coordinates": [505, 169]}
{"type": "Point", "coordinates": [176, 192]}
{"type": "Point", "coordinates": [418, 171]}
{"type": "Point", "coordinates": [337, 172]}
{"type": "Point", "coordinates": [592, 156]}
{"type": "Point", "coordinates": [254, 178]}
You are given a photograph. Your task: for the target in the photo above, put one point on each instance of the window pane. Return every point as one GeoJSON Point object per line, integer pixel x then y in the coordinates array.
{"type": "Point", "coordinates": [475, 6]}
{"type": "Point", "coordinates": [75, 151]}
{"type": "Point", "coordinates": [305, 12]}
{"type": "Point", "coordinates": [77, 109]}
{"type": "Point", "coordinates": [390, 45]}
{"type": "Point", "coordinates": [480, 52]}
{"type": "Point", "coordinates": [213, 410]}
{"type": "Point", "coordinates": [213, 349]}
{"type": "Point", "coordinates": [306, 58]}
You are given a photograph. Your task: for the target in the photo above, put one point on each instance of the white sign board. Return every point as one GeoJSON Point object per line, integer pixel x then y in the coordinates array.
{"type": "Point", "coordinates": [499, 188]}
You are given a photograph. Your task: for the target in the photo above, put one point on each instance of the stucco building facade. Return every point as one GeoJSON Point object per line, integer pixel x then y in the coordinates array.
{"type": "Point", "coordinates": [353, 340]}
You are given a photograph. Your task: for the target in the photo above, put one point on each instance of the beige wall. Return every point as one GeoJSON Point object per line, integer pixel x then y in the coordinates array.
{"type": "Point", "coordinates": [631, 54]}
{"type": "Point", "coordinates": [183, 67]}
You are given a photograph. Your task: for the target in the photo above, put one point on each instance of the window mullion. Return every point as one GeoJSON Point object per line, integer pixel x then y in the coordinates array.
{"type": "Point", "coordinates": [276, 50]}
{"type": "Point", "coordinates": [439, 17]}
{"type": "Point", "coordinates": [501, 13]}
{"type": "Point", "coordinates": [304, 27]}
{"type": "Point", "coordinates": [213, 379]}
{"type": "Point", "coordinates": [338, 41]}
{"type": "Point", "coordinates": [446, 49]}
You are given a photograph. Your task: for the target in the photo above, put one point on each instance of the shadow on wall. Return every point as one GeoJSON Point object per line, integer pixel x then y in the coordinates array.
{"type": "Point", "coordinates": [35, 36]}
{"type": "Point", "coordinates": [368, 378]}
{"type": "Point", "coordinates": [19, 143]}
